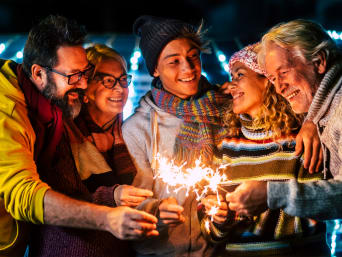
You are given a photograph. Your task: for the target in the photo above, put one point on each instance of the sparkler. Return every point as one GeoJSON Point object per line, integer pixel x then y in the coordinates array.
{"type": "Point", "coordinates": [199, 179]}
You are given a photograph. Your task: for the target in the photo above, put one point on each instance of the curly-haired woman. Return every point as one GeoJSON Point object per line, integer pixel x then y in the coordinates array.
{"type": "Point", "coordinates": [260, 146]}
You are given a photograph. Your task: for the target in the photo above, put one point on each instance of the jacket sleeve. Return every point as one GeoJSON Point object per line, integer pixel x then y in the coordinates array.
{"type": "Point", "coordinates": [21, 190]}
{"type": "Point", "coordinates": [318, 200]}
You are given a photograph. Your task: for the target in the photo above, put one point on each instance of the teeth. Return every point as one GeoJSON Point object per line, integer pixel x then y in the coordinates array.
{"type": "Point", "coordinates": [187, 79]}
{"type": "Point", "coordinates": [293, 94]}
{"type": "Point", "coordinates": [115, 99]}
{"type": "Point", "coordinates": [237, 95]}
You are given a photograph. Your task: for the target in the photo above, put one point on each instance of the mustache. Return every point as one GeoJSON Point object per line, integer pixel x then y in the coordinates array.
{"type": "Point", "coordinates": [79, 91]}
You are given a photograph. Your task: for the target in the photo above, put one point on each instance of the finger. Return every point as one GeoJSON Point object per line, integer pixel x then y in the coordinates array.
{"type": "Point", "coordinates": [134, 191]}
{"type": "Point", "coordinates": [307, 154]}
{"type": "Point", "coordinates": [299, 145]}
{"type": "Point", "coordinates": [171, 208]}
{"type": "Point", "coordinates": [233, 206]}
{"type": "Point", "coordinates": [219, 220]}
{"type": "Point", "coordinates": [169, 215]}
{"type": "Point", "coordinates": [144, 226]}
{"type": "Point", "coordinates": [141, 215]}
{"type": "Point", "coordinates": [315, 157]}
{"type": "Point", "coordinates": [222, 213]}
{"type": "Point", "coordinates": [135, 199]}
{"type": "Point", "coordinates": [181, 219]}
{"type": "Point", "coordinates": [128, 204]}
{"type": "Point", "coordinates": [320, 160]}
{"type": "Point", "coordinates": [152, 233]}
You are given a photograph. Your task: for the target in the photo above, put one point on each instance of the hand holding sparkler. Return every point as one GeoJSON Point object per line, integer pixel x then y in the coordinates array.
{"type": "Point", "coordinates": [170, 213]}
{"type": "Point", "coordinates": [249, 198]}
{"type": "Point", "coordinates": [216, 207]}
{"type": "Point", "coordinates": [131, 196]}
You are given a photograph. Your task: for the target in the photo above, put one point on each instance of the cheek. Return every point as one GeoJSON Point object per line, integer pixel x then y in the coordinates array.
{"type": "Point", "coordinates": [100, 99]}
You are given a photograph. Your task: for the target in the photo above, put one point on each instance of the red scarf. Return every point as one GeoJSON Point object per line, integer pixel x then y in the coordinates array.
{"type": "Point", "coordinates": [46, 120]}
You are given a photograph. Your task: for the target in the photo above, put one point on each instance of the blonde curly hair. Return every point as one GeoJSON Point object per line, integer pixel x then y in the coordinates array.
{"type": "Point", "coordinates": [275, 115]}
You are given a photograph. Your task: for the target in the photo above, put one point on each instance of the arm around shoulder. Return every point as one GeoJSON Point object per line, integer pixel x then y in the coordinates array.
{"type": "Point", "coordinates": [319, 200]}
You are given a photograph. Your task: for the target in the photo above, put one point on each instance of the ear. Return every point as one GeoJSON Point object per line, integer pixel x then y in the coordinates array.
{"type": "Point", "coordinates": [38, 76]}
{"type": "Point", "coordinates": [156, 73]}
{"type": "Point", "coordinates": [321, 62]}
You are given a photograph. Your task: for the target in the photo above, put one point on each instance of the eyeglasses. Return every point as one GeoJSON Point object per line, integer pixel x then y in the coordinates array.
{"type": "Point", "coordinates": [109, 81]}
{"type": "Point", "coordinates": [76, 77]}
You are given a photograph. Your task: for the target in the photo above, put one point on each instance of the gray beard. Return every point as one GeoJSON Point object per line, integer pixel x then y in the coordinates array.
{"type": "Point", "coordinates": [70, 111]}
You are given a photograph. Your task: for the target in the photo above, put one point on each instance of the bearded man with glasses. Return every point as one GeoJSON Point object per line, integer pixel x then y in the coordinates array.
{"type": "Point", "coordinates": [39, 181]}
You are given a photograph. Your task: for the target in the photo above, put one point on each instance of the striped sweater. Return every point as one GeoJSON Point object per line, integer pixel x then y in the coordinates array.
{"type": "Point", "coordinates": [256, 156]}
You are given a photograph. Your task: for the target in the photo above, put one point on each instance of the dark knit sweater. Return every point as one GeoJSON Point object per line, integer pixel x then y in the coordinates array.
{"type": "Point", "coordinates": [255, 155]}
{"type": "Point", "coordinates": [62, 176]}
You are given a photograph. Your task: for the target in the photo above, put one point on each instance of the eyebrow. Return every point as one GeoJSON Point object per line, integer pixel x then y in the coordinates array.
{"type": "Point", "coordinates": [78, 70]}
{"type": "Point", "coordinates": [239, 68]}
{"type": "Point", "coordinates": [111, 75]}
{"type": "Point", "coordinates": [173, 55]}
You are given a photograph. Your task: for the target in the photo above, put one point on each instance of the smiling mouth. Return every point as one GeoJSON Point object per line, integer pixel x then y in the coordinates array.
{"type": "Point", "coordinates": [188, 79]}
{"type": "Point", "coordinates": [292, 95]}
{"type": "Point", "coordinates": [115, 100]}
{"type": "Point", "coordinates": [237, 95]}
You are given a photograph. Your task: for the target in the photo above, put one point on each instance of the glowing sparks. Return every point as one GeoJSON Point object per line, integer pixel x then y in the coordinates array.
{"type": "Point", "coordinates": [179, 177]}
{"type": "Point", "coordinates": [198, 179]}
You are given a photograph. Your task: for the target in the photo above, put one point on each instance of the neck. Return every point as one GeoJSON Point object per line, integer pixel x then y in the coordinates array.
{"type": "Point", "coordinates": [99, 117]}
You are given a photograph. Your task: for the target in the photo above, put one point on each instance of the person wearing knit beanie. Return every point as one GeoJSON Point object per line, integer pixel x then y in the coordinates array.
{"type": "Point", "coordinates": [177, 119]}
{"type": "Point", "coordinates": [156, 32]}
{"type": "Point", "coordinates": [260, 146]}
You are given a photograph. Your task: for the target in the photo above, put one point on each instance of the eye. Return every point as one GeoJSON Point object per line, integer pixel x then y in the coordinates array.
{"type": "Point", "coordinates": [108, 80]}
{"type": "Point", "coordinates": [123, 78]}
{"type": "Point", "coordinates": [283, 72]}
{"type": "Point", "coordinates": [174, 61]}
{"type": "Point", "coordinates": [239, 74]}
{"type": "Point", "coordinates": [194, 55]}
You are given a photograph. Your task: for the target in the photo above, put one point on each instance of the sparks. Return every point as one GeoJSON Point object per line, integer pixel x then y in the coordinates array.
{"type": "Point", "coordinates": [198, 179]}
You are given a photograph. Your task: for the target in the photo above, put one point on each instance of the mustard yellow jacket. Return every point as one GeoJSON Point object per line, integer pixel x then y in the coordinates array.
{"type": "Point", "coordinates": [21, 191]}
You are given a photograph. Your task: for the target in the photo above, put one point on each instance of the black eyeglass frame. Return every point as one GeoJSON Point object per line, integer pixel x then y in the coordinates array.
{"type": "Point", "coordinates": [79, 74]}
{"type": "Point", "coordinates": [116, 80]}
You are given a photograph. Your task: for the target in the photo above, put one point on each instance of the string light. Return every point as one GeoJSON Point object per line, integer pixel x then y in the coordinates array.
{"type": "Point", "coordinates": [334, 34]}
{"type": "Point", "coordinates": [2, 47]}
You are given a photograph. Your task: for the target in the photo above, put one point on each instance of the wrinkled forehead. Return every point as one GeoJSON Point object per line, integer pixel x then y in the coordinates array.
{"type": "Point", "coordinates": [276, 56]}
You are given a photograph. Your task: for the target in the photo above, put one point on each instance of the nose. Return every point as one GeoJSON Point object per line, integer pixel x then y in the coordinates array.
{"type": "Point", "coordinates": [117, 87]}
{"type": "Point", "coordinates": [82, 83]}
{"type": "Point", "coordinates": [280, 86]}
{"type": "Point", "coordinates": [187, 65]}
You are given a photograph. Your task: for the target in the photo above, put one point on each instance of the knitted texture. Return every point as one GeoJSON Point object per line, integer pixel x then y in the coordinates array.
{"type": "Point", "coordinates": [248, 57]}
{"type": "Point", "coordinates": [202, 128]}
{"type": "Point", "coordinates": [155, 33]}
{"type": "Point", "coordinates": [261, 158]}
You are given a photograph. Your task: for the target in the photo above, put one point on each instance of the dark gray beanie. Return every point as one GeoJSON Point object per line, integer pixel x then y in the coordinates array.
{"type": "Point", "coordinates": [155, 33]}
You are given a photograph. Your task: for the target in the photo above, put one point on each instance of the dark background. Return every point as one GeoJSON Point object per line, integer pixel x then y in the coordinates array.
{"type": "Point", "coordinates": [227, 19]}
{"type": "Point", "coordinates": [231, 24]}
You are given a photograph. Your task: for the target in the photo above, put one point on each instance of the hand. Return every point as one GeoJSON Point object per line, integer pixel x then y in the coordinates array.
{"type": "Point", "coordinates": [211, 201]}
{"type": "Point", "coordinates": [224, 89]}
{"type": "Point", "coordinates": [249, 198]}
{"type": "Point", "coordinates": [130, 196]}
{"type": "Point", "coordinates": [313, 154]}
{"type": "Point", "coordinates": [170, 212]}
{"type": "Point", "coordinates": [127, 224]}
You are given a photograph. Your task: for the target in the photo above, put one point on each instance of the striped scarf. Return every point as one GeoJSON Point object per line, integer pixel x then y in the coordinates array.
{"type": "Point", "coordinates": [202, 127]}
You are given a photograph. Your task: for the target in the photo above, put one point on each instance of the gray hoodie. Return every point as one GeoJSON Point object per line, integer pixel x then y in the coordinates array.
{"type": "Point", "coordinates": [148, 131]}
